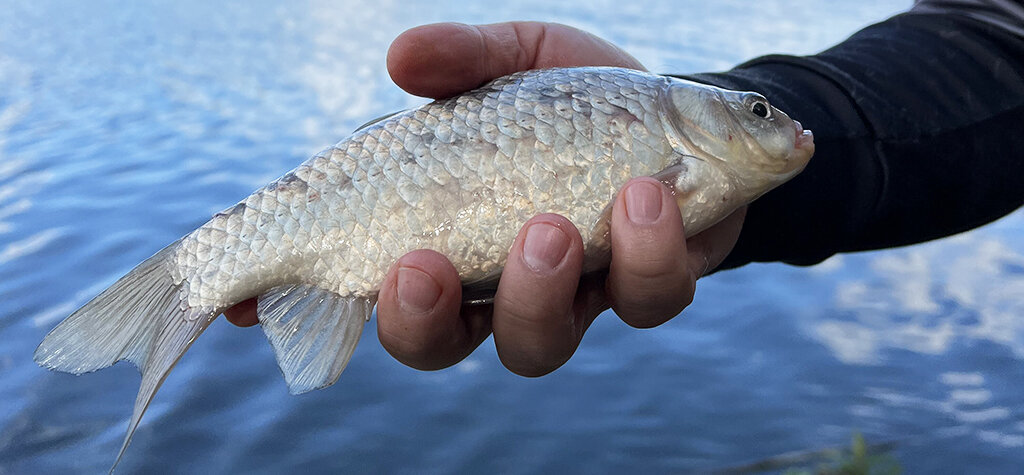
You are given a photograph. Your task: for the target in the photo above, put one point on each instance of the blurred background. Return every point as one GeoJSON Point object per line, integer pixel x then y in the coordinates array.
{"type": "Point", "coordinates": [125, 125]}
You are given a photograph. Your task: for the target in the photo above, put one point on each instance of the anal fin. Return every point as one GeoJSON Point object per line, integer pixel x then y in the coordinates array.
{"type": "Point", "coordinates": [313, 332]}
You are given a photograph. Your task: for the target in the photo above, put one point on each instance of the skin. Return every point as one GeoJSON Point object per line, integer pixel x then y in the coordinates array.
{"type": "Point", "coordinates": [543, 305]}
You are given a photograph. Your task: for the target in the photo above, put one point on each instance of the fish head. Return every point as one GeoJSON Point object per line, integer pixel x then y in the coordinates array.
{"type": "Point", "coordinates": [740, 132]}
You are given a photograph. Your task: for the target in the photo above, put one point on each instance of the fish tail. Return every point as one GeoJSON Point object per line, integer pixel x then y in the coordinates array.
{"type": "Point", "coordinates": [143, 318]}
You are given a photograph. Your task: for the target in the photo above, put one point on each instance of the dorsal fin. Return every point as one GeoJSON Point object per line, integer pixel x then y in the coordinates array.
{"type": "Point", "coordinates": [374, 121]}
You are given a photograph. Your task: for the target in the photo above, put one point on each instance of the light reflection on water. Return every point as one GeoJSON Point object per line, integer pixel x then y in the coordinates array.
{"type": "Point", "coordinates": [927, 298]}
{"type": "Point", "coordinates": [131, 124]}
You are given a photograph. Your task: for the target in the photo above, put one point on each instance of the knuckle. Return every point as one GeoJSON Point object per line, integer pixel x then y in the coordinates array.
{"type": "Point", "coordinates": [532, 364]}
{"type": "Point", "coordinates": [403, 345]}
{"type": "Point", "coordinates": [418, 344]}
{"type": "Point", "coordinates": [417, 353]}
{"type": "Point", "coordinates": [520, 311]}
{"type": "Point", "coordinates": [533, 342]}
{"type": "Point", "coordinates": [649, 307]}
{"type": "Point", "coordinates": [649, 267]}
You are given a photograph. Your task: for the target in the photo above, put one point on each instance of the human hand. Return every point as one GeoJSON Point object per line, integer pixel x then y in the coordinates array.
{"type": "Point", "coordinates": [542, 307]}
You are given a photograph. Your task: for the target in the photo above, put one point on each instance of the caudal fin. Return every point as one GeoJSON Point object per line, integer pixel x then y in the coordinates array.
{"type": "Point", "coordinates": [143, 318]}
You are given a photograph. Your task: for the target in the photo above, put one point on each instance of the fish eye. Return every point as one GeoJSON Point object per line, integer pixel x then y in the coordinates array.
{"type": "Point", "coordinates": [760, 108]}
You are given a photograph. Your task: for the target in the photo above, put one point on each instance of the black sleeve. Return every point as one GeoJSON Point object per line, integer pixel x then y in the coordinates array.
{"type": "Point", "coordinates": [919, 132]}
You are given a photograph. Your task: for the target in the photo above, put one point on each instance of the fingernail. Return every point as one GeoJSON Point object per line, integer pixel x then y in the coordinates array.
{"type": "Point", "coordinates": [643, 202]}
{"type": "Point", "coordinates": [417, 291]}
{"type": "Point", "coordinates": [545, 246]}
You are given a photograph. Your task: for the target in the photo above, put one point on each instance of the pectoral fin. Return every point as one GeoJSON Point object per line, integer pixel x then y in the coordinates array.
{"type": "Point", "coordinates": [482, 290]}
{"type": "Point", "coordinates": [313, 332]}
{"type": "Point", "coordinates": [674, 178]}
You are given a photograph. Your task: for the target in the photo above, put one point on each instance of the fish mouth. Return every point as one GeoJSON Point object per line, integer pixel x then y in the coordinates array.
{"type": "Point", "coordinates": [803, 145]}
{"type": "Point", "coordinates": [800, 155]}
{"type": "Point", "coordinates": [804, 138]}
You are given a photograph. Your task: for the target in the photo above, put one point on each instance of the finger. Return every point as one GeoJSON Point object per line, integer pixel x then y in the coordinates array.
{"type": "Point", "coordinates": [707, 250]}
{"type": "Point", "coordinates": [444, 59]}
{"type": "Point", "coordinates": [649, 279]}
{"type": "Point", "coordinates": [418, 313]}
{"type": "Point", "coordinates": [242, 314]}
{"type": "Point", "coordinates": [535, 328]}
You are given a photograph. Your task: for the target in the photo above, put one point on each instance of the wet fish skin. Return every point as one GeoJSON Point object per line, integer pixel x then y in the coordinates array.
{"type": "Point", "coordinates": [459, 176]}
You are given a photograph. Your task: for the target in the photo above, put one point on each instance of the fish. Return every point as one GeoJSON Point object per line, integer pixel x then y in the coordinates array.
{"type": "Point", "coordinates": [459, 176]}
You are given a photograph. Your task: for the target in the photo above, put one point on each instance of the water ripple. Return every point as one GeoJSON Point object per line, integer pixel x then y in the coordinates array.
{"type": "Point", "coordinates": [28, 245]}
{"type": "Point", "coordinates": [927, 298]}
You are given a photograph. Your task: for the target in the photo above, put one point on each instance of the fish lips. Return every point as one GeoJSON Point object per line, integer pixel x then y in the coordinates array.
{"type": "Point", "coordinates": [803, 146]}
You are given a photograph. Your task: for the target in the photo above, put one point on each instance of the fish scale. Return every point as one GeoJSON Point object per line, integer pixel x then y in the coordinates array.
{"type": "Point", "coordinates": [417, 189]}
{"type": "Point", "coordinates": [459, 176]}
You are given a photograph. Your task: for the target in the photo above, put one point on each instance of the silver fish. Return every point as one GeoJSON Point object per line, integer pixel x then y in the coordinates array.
{"type": "Point", "coordinates": [459, 176]}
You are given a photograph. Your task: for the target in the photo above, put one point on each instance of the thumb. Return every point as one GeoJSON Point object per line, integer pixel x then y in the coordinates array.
{"type": "Point", "coordinates": [444, 59]}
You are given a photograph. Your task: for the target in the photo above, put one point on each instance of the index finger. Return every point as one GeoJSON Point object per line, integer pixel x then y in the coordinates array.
{"type": "Point", "coordinates": [444, 59]}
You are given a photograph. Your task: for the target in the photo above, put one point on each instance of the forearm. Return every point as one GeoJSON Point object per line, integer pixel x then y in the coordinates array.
{"type": "Point", "coordinates": [919, 126]}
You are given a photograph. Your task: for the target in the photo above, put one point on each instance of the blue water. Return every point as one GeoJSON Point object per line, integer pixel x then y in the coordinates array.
{"type": "Point", "coordinates": [125, 125]}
